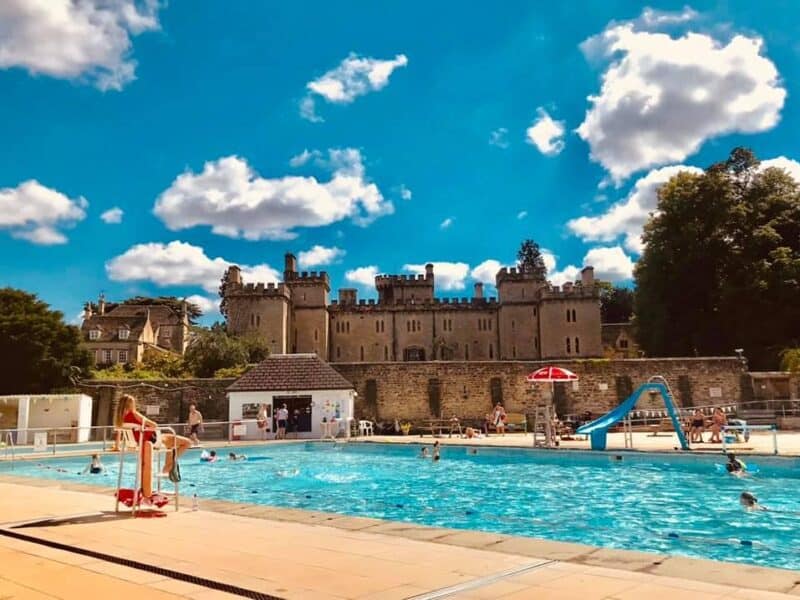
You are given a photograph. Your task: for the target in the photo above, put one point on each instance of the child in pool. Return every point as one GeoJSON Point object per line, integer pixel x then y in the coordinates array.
{"type": "Point", "coordinates": [95, 467]}
{"type": "Point", "coordinates": [208, 456]}
{"type": "Point", "coordinates": [234, 456]}
{"type": "Point", "coordinates": [750, 502]}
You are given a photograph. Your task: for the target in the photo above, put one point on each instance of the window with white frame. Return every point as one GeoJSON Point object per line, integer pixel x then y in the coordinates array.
{"type": "Point", "coordinates": [122, 356]}
{"type": "Point", "coordinates": [124, 333]}
{"type": "Point", "coordinates": [94, 334]}
{"type": "Point", "coordinates": [107, 356]}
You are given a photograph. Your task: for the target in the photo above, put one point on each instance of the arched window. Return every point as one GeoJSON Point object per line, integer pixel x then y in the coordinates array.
{"type": "Point", "coordinates": [316, 335]}
{"type": "Point", "coordinates": [491, 351]}
{"type": "Point", "coordinates": [362, 353]}
{"type": "Point", "coordinates": [568, 346]}
{"type": "Point", "coordinates": [513, 352]}
{"type": "Point", "coordinates": [386, 353]}
{"type": "Point", "coordinates": [258, 320]}
{"type": "Point", "coordinates": [577, 346]}
{"type": "Point", "coordinates": [574, 316]}
{"type": "Point", "coordinates": [569, 315]}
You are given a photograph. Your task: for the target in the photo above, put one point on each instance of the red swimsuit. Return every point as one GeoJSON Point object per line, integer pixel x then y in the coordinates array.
{"type": "Point", "coordinates": [132, 417]}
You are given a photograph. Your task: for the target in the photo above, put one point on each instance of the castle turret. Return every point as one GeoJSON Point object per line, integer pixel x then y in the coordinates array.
{"type": "Point", "coordinates": [234, 275]}
{"type": "Point", "coordinates": [478, 294]}
{"type": "Point", "coordinates": [289, 266]}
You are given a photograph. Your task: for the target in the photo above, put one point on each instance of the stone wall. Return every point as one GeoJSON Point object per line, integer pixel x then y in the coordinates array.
{"type": "Point", "coordinates": [401, 390]}
{"type": "Point", "coordinates": [171, 396]}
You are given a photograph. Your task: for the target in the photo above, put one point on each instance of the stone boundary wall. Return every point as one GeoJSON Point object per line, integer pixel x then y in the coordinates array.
{"type": "Point", "coordinates": [466, 389]}
{"type": "Point", "coordinates": [402, 390]}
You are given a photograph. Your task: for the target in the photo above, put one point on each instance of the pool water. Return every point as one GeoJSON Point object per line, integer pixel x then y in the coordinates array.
{"type": "Point", "coordinates": [657, 503]}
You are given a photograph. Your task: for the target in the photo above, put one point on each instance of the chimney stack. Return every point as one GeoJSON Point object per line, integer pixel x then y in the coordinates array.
{"type": "Point", "coordinates": [289, 266]}
{"type": "Point", "coordinates": [101, 305]}
{"type": "Point", "coordinates": [429, 271]}
{"type": "Point", "coordinates": [587, 276]}
{"type": "Point", "coordinates": [87, 311]}
{"type": "Point", "coordinates": [478, 295]}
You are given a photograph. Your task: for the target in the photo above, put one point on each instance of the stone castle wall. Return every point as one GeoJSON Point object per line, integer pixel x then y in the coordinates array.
{"type": "Point", "coordinates": [402, 389]}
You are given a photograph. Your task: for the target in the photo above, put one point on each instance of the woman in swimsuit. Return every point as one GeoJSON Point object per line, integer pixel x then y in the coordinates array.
{"type": "Point", "coordinates": [95, 467]}
{"type": "Point", "coordinates": [718, 421]}
{"type": "Point", "coordinates": [127, 413]}
{"type": "Point", "coordinates": [698, 426]}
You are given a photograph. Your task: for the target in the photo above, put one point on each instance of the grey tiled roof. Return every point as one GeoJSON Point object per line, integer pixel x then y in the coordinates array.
{"type": "Point", "coordinates": [291, 372]}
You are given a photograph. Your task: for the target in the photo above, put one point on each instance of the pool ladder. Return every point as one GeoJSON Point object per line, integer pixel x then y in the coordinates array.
{"type": "Point", "coordinates": [10, 446]}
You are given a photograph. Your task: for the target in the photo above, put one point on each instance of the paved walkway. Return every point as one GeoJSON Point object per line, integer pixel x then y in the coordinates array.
{"type": "Point", "coordinates": [301, 554]}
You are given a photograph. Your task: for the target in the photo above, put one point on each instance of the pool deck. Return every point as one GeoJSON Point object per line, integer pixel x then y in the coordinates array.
{"type": "Point", "coordinates": [759, 443]}
{"type": "Point", "coordinates": [288, 553]}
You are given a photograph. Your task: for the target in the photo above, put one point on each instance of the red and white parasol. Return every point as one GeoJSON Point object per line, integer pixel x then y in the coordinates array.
{"type": "Point", "coordinates": [551, 375]}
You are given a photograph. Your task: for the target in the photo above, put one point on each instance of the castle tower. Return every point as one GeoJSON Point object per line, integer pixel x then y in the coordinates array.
{"type": "Point", "coordinates": [308, 318]}
{"type": "Point", "coordinates": [518, 316]}
{"type": "Point", "coordinates": [399, 289]}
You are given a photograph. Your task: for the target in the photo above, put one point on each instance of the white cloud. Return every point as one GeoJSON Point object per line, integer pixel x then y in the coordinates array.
{"type": "Point", "coordinates": [522, 214]}
{"type": "Point", "coordinates": [662, 97]}
{"type": "Point", "coordinates": [499, 138]}
{"type": "Point", "coordinates": [308, 110]}
{"type": "Point", "coordinates": [448, 275]}
{"type": "Point", "coordinates": [69, 39]}
{"type": "Point", "coordinates": [610, 264]}
{"type": "Point", "coordinates": [628, 217]}
{"type": "Point", "coordinates": [206, 304]}
{"type": "Point", "coordinates": [546, 134]}
{"type": "Point", "coordinates": [113, 216]}
{"type": "Point", "coordinates": [235, 201]}
{"type": "Point", "coordinates": [558, 276]}
{"type": "Point", "coordinates": [486, 271]}
{"type": "Point", "coordinates": [446, 223]}
{"type": "Point", "coordinates": [364, 276]}
{"type": "Point", "coordinates": [355, 76]}
{"type": "Point", "coordinates": [405, 193]}
{"type": "Point", "coordinates": [654, 18]}
{"type": "Point", "coordinates": [320, 255]}
{"type": "Point", "coordinates": [305, 156]}
{"type": "Point", "coordinates": [792, 167]}
{"type": "Point", "coordinates": [36, 213]}
{"type": "Point", "coordinates": [180, 264]}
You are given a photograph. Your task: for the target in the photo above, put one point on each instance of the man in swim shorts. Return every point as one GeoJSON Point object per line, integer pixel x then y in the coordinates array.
{"type": "Point", "coordinates": [195, 422]}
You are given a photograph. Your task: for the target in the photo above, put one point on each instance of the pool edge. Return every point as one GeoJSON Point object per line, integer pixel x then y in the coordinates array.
{"type": "Point", "coordinates": [695, 569]}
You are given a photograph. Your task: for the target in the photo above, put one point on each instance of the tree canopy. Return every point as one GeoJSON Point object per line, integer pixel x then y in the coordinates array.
{"type": "Point", "coordinates": [39, 350]}
{"type": "Point", "coordinates": [721, 265]}
{"type": "Point", "coordinates": [529, 259]}
{"type": "Point", "coordinates": [616, 303]}
{"type": "Point", "coordinates": [214, 349]}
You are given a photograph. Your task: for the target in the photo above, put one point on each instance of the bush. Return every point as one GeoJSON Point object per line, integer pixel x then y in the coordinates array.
{"type": "Point", "coordinates": [790, 360]}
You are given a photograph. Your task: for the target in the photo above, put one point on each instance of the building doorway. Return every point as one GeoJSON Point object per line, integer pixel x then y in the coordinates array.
{"type": "Point", "coordinates": [299, 408]}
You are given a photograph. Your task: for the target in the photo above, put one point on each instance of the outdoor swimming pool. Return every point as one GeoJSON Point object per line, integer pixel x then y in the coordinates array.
{"type": "Point", "coordinates": [639, 503]}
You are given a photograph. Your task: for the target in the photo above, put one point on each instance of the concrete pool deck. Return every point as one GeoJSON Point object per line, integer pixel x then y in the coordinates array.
{"type": "Point", "coordinates": [289, 553]}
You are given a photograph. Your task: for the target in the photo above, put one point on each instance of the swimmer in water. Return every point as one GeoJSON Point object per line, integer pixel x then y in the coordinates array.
{"type": "Point", "coordinates": [95, 467]}
{"type": "Point", "coordinates": [436, 455]}
{"type": "Point", "coordinates": [424, 452]}
{"type": "Point", "coordinates": [735, 466]}
{"type": "Point", "coordinates": [234, 456]}
{"type": "Point", "coordinates": [208, 456]}
{"type": "Point", "coordinates": [750, 502]}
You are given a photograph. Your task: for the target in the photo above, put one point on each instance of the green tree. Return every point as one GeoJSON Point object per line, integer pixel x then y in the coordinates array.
{"type": "Point", "coordinates": [790, 360]}
{"type": "Point", "coordinates": [214, 349]}
{"type": "Point", "coordinates": [721, 266]}
{"type": "Point", "coordinates": [529, 258]}
{"type": "Point", "coordinates": [223, 289]}
{"type": "Point", "coordinates": [616, 303]}
{"type": "Point", "coordinates": [40, 352]}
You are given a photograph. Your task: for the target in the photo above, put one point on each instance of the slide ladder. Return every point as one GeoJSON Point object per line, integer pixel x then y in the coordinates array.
{"type": "Point", "coordinates": [598, 429]}
{"type": "Point", "coordinates": [543, 427]}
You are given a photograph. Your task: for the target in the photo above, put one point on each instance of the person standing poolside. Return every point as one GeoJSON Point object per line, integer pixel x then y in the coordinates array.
{"type": "Point", "coordinates": [294, 422]}
{"type": "Point", "coordinates": [283, 417]}
{"type": "Point", "coordinates": [498, 419]}
{"type": "Point", "coordinates": [262, 419]}
{"type": "Point", "coordinates": [697, 427]}
{"type": "Point", "coordinates": [718, 421]}
{"type": "Point", "coordinates": [195, 423]}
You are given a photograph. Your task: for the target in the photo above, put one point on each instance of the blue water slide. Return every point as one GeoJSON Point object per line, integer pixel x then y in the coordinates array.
{"type": "Point", "coordinates": [598, 429]}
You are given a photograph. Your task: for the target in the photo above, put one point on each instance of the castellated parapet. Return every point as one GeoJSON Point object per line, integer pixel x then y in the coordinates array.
{"type": "Point", "coordinates": [529, 320]}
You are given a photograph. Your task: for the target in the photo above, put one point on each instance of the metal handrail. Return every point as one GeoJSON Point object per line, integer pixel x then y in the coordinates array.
{"type": "Point", "coordinates": [9, 444]}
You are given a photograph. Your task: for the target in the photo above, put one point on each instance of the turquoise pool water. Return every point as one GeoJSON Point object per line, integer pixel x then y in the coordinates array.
{"type": "Point", "coordinates": [657, 503]}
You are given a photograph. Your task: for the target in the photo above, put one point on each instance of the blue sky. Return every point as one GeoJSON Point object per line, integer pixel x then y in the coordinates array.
{"type": "Point", "coordinates": [371, 137]}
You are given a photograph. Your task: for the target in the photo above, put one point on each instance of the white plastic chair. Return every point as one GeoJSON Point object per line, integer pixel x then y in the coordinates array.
{"type": "Point", "coordinates": [365, 428]}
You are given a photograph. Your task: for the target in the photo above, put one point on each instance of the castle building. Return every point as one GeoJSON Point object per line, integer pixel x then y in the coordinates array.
{"type": "Point", "coordinates": [530, 319]}
{"type": "Point", "coordinates": [122, 333]}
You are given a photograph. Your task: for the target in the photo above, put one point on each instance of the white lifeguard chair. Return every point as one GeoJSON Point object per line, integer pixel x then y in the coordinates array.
{"type": "Point", "coordinates": [128, 444]}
